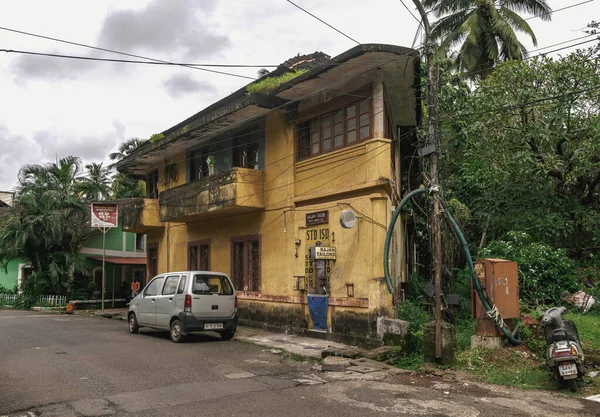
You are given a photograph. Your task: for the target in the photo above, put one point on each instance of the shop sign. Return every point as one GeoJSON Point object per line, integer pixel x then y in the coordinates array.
{"type": "Point", "coordinates": [104, 215]}
{"type": "Point", "coordinates": [319, 217]}
{"type": "Point", "coordinates": [323, 252]}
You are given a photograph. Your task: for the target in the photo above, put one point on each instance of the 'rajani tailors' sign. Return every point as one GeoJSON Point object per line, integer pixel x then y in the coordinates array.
{"type": "Point", "coordinates": [322, 252]}
{"type": "Point", "coordinates": [104, 215]}
{"type": "Point", "coordinates": [319, 217]}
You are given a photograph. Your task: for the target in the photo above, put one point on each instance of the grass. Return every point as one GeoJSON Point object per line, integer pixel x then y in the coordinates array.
{"type": "Point", "coordinates": [271, 83]}
{"type": "Point", "coordinates": [588, 328]}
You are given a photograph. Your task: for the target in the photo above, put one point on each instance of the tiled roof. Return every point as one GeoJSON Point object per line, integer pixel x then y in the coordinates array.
{"type": "Point", "coordinates": [306, 61]}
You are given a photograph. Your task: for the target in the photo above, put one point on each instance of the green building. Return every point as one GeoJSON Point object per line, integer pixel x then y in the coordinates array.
{"type": "Point", "coordinates": [125, 259]}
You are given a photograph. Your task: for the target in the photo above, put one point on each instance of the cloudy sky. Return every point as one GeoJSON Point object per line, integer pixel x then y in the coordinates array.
{"type": "Point", "coordinates": [52, 107]}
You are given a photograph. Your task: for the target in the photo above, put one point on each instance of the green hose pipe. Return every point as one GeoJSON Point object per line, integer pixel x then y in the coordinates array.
{"type": "Point", "coordinates": [388, 236]}
{"type": "Point", "coordinates": [491, 311]}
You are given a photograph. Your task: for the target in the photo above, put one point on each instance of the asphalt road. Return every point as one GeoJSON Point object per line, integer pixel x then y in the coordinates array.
{"type": "Point", "coordinates": [71, 366]}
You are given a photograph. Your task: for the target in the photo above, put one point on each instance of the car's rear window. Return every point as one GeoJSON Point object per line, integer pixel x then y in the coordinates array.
{"type": "Point", "coordinates": [211, 284]}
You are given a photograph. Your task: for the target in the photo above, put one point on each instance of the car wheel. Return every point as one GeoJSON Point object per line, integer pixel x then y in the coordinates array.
{"type": "Point", "coordinates": [227, 334]}
{"type": "Point", "coordinates": [176, 332]}
{"type": "Point", "coordinates": [572, 383]}
{"type": "Point", "coordinates": [133, 324]}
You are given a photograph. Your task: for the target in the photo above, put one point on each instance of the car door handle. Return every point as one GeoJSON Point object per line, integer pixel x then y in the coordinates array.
{"type": "Point", "coordinates": [170, 298]}
{"type": "Point", "coordinates": [152, 299]}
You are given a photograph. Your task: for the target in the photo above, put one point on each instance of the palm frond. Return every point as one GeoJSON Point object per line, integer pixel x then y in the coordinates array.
{"type": "Point", "coordinates": [538, 8]}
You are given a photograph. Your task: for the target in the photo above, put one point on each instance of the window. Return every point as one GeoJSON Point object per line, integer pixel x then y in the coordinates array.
{"type": "Point", "coordinates": [152, 185]}
{"type": "Point", "coordinates": [199, 256]}
{"type": "Point", "coordinates": [154, 287]}
{"type": "Point", "coordinates": [245, 151]}
{"type": "Point", "coordinates": [334, 130]}
{"type": "Point", "coordinates": [140, 241]}
{"type": "Point", "coordinates": [198, 165]}
{"type": "Point", "coordinates": [182, 284]}
{"type": "Point", "coordinates": [246, 259]}
{"type": "Point", "coordinates": [170, 285]}
{"type": "Point", "coordinates": [211, 284]}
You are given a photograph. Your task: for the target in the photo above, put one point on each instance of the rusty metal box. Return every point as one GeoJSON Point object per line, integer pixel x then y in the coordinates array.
{"type": "Point", "coordinates": [500, 280]}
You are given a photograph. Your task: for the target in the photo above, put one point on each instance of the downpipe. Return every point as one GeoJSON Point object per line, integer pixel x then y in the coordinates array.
{"type": "Point", "coordinates": [491, 310]}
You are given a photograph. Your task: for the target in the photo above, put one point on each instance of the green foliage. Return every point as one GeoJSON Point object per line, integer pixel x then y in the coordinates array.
{"type": "Point", "coordinates": [522, 151]}
{"type": "Point", "coordinates": [6, 290]}
{"type": "Point", "coordinates": [271, 83]}
{"type": "Point", "coordinates": [417, 317]}
{"type": "Point", "coordinates": [533, 337]}
{"type": "Point", "coordinates": [509, 366]}
{"type": "Point", "coordinates": [124, 186]}
{"type": "Point", "coordinates": [464, 328]}
{"type": "Point", "coordinates": [83, 286]}
{"type": "Point", "coordinates": [485, 31]}
{"type": "Point", "coordinates": [155, 137]}
{"type": "Point", "coordinates": [544, 273]}
{"type": "Point", "coordinates": [587, 326]}
{"type": "Point", "coordinates": [47, 224]}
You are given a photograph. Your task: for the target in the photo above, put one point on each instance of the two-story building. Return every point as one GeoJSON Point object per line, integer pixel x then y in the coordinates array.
{"type": "Point", "coordinates": [255, 186]}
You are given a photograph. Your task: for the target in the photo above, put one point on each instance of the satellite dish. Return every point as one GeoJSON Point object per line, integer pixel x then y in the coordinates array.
{"type": "Point", "coordinates": [347, 219]}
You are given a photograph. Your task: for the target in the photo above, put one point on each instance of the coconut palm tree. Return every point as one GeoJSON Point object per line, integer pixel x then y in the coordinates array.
{"type": "Point", "coordinates": [95, 184]}
{"type": "Point", "coordinates": [126, 148]}
{"type": "Point", "coordinates": [47, 222]}
{"type": "Point", "coordinates": [484, 30]}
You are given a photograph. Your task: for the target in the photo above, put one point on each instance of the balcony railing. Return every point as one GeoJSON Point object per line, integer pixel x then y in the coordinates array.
{"type": "Point", "coordinates": [238, 190]}
{"type": "Point", "coordinates": [140, 215]}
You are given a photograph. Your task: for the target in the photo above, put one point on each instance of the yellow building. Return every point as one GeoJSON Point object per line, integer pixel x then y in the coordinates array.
{"type": "Point", "coordinates": [255, 184]}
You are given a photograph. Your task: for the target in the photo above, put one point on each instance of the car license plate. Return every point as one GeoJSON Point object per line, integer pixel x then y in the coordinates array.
{"type": "Point", "coordinates": [212, 326]}
{"type": "Point", "coordinates": [567, 369]}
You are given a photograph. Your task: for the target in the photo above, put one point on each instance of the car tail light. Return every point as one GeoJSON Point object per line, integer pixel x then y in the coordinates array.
{"type": "Point", "coordinates": [236, 302]}
{"type": "Point", "coordinates": [188, 303]}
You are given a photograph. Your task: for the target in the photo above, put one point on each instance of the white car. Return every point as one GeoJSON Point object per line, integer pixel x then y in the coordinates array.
{"type": "Point", "coordinates": [184, 302]}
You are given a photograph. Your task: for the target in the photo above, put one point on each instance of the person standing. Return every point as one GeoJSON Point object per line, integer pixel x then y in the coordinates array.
{"type": "Point", "coordinates": [135, 287]}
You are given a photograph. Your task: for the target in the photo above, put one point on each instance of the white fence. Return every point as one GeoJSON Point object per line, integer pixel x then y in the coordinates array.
{"type": "Point", "coordinates": [46, 300]}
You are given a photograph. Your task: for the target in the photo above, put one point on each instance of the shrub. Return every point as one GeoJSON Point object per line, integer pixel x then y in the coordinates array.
{"type": "Point", "coordinates": [6, 290]}
{"type": "Point", "coordinates": [83, 286]}
{"type": "Point", "coordinates": [412, 312]}
{"type": "Point", "coordinates": [271, 83]}
{"type": "Point", "coordinates": [544, 273]}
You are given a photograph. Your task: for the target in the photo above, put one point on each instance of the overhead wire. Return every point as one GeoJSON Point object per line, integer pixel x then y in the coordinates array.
{"type": "Point", "coordinates": [324, 22]}
{"type": "Point", "coordinates": [22, 32]}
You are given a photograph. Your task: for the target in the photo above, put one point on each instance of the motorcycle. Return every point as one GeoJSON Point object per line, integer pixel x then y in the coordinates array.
{"type": "Point", "coordinates": [565, 356]}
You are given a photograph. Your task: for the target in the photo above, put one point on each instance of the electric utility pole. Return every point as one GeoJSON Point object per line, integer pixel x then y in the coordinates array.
{"type": "Point", "coordinates": [436, 241]}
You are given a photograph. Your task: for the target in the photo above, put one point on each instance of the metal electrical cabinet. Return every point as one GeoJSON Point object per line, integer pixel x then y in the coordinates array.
{"type": "Point", "coordinates": [500, 280]}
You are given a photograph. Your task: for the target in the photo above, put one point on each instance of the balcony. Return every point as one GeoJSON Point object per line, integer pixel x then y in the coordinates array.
{"type": "Point", "coordinates": [238, 190]}
{"type": "Point", "coordinates": [140, 215]}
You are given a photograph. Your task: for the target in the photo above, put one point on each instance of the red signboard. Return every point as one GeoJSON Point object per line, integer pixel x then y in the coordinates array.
{"type": "Point", "coordinates": [105, 215]}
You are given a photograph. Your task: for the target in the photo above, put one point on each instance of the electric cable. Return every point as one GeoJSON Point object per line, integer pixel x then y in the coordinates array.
{"type": "Point", "coordinates": [324, 22]}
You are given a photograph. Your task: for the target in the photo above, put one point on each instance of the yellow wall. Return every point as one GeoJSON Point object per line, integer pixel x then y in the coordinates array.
{"type": "Point", "coordinates": [353, 178]}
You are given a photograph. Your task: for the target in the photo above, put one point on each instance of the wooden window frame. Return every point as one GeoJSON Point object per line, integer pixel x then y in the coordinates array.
{"type": "Point", "coordinates": [307, 123]}
{"type": "Point", "coordinates": [245, 239]}
{"type": "Point", "coordinates": [152, 185]}
{"type": "Point", "coordinates": [199, 243]}
{"type": "Point", "coordinates": [194, 157]}
{"type": "Point", "coordinates": [150, 248]}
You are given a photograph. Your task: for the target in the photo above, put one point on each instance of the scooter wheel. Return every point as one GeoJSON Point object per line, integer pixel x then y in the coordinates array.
{"type": "Point", "coordinates": [572, 383]}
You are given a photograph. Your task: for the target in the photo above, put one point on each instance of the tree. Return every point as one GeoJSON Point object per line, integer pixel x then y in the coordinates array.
{"type": "Point", "coordinates": [523, 151]}
{"type": "Point", "coordinates": [124, 186]}
{"type": "Point", "coordinates": [484, 30]}
{"type": "Point", "coordinates": [126, 148]}
{"type": "Point", "coordinates": [47, 223]}
{"type": "Point", "coordinates": [96, 184]}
